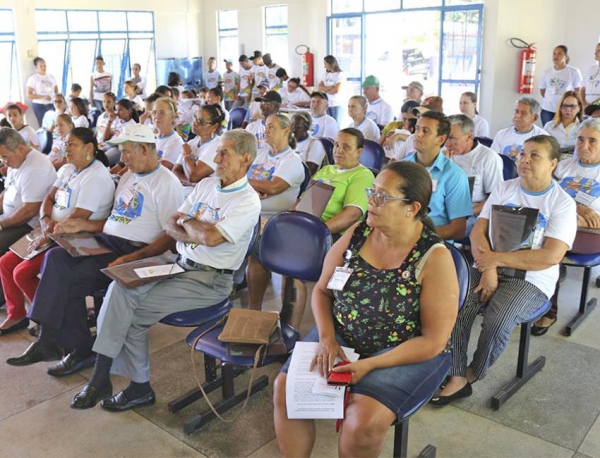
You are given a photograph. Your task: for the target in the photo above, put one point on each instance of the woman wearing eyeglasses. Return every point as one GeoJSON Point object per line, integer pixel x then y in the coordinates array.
{"type": "Point", "coordinates": [397, 310]}
{"type": "Point", "coordinates": [196, 160]}
{"type": "Point", "coordinates": [565, 125]}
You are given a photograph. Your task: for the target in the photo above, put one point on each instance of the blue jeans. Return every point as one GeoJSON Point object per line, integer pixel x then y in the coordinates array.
{"type": "Point", "coordinates": [40, 109]}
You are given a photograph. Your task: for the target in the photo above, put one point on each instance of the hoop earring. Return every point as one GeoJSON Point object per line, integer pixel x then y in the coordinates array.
{"type": "Point", "coordinates": [88, 157]}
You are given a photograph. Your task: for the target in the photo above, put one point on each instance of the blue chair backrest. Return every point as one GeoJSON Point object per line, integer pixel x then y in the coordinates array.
{"type": "Point", "coordinates": [463, 272]}
{"type": "Point", "coordinates": [485, 141]}
{"type": "Point", "coordinates": [373, 155]}
{"type": "Point", "coordinates": [94, 115]}
{"type": "Point", "coordinates": [294, 244]}
{"type": "Point", "coordinates": [236, 118]}
{"type": "Point", "coordinates": [328, 146]}
{"type": "Point", "coordinates": [306, 181]}
{"type": "Point", "coordinates": [45, 138]}
{"type": "Point", "coordinates": [509, 168]}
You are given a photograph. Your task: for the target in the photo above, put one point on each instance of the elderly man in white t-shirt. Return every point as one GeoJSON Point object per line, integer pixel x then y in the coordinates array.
{"type": "Point", "coordinates": [482, 165]}
{"type": "Point", "coordinates": [29, 177]}
{"type": "Point", "coordinates": [357, 110]}
{"type": "Point", "coordinates": [147, 196]}
{"type": "Point", "coordinates": [323, 124]}
{"type": "Point", "coordinates": [213, 229]}
{"type": "Point", "coordinates": [378, 109]}
{"type": "Point", "coordinates": [510, 141]}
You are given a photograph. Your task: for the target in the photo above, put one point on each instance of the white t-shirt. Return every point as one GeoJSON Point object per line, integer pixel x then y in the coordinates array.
{"type": "Point", "coordinates": [331, 79]}
{"type": "Point", "coordinates": [485, 165]}
{"type": "Point", "coordinates": [211, 79]}
{"type": "Point", "coordinates": [294, 97]}
{"type": "Point", "coordinates": [42, 85]}
{"type": "Point", "coordinates": [58, 149]}
{"type": "Point", "coordinates": [407, 148]}
{"type": "Point", "coordinates": [311, 150]}
{"type": "Point", "coordinates": [286, 165]}
{"type": "Point", "coordinates": [592, 84]}
{"type": "Point", "coordinates": [581, 182]}
{"type": "Point", "coordinates": [81, 121]}
{"type": "Point", "coordinates": [234, 210]}
{"type": "Point", "coordinates": [245, 77]}
{"type": "Point", "coordinates": [101, 123]}
{"type": "Point", "coordinates": [396, 149]}
{"type": "Point", "coordinates": [482, 128]}
{"type": "Point", "coordinates": [169, 147]}
{"type": "Point", "coordinates": [271, 77]}
{"type": "Point", "coordinates": [229, 83]}
{"type": "Point", "coordinates": [141, 84]}
{"type": "Point", "coordinates": [204, 152]}
{"type": "Point", "coordinates": [118, 125]}
{"type": "Point", "coordinates": [27, 184]}
{"type": "Point", "coordinates": [260, 74]}
{"type": "Point", "coordinates": [257, 128]}
{"type": "Point", "coordinates": [368, 128]}
{"type": "Point", "coordinates": [91, 189]}
{"type": "Point", "coordinates": [565, 136]}
{"type": "Point", "coordinates": [557, 219]}
{"type": "Point", "coordinates": [143, 205]}
{"type": "Point", "coordinates": [380, 112]}
{"type": "Point", "coordinates": [30, 136]}
{"type": "Point", "coordinates": [556, 83]}
{"type": "Point", "coordinates": [102, 84]}
{"type": "Point", "coordinates": [510, 142]}
{"type": "Point", "coordinates": [324, 126]}
{"type": "Point", "coordinates": [138, 102]}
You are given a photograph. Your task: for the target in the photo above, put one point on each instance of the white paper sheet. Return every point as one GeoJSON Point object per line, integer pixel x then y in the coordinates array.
{"type": "Point", "coordinates": [301, 401]}
{"type": "Point", "coordinates": [157, 271]}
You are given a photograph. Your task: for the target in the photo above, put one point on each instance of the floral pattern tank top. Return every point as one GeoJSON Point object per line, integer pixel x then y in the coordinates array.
{"type": "Point", "coordinates": [379, 309]}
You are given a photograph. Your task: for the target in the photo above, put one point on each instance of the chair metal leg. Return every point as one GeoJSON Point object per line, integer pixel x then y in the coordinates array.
{"type": "Point", "coordinates": [585, 306]}
{"type": "Point", "coordinates": [401, 439]}
{"type": "Point", "coordinates": [524, 371]}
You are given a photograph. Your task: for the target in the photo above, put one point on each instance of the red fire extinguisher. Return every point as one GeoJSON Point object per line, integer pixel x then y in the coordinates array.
{"type": "Point", "coordinates": [527, 66]}
{"type": "Point", "coordinates": [308, 64]}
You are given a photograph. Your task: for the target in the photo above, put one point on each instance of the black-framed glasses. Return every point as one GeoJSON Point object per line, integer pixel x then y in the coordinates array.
{"type": "Point", "coordinates": [381, 199]}
{"type": "Point", "coordinates": [201, 122]}
{"type": "Point", "coordinates": [572, 107]}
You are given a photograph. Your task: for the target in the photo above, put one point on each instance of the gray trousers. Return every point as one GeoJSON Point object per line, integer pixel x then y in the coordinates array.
{"type": "Point", "coordinates": [127, 314]}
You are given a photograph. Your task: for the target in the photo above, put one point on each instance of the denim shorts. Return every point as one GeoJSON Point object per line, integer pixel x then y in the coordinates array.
{"type": "Point", "coordinates": [401, 389]}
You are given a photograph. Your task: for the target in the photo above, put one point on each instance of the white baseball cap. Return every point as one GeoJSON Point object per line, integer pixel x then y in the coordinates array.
{"type": "Point", "coordinates": [139, 133]}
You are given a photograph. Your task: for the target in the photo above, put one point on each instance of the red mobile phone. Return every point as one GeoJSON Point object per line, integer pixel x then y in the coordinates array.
{"type": "Point", "coordinates": [339, 378]}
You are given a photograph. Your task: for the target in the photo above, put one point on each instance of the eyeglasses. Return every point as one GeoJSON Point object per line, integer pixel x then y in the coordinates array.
{"type": "Point", "coordinates": [572, 107]}
{"type": "Point", "coordinates": [201, 122]}
{"type": "Point", "coordinates": [380, 199]}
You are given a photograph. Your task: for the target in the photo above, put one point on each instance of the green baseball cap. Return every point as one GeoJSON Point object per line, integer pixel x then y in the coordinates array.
{"type": "Point", "coordinates": [370, 81]}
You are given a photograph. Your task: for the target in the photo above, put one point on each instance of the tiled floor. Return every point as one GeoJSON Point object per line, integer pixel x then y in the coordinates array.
{"type": "Point", "coordinates": [555, 415]}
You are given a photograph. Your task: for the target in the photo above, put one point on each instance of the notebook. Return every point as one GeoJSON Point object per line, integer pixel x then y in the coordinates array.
{"type": "Point", "coordinates": [21, 246]}
{"type": "Point", "coordinates": [80, 244]}
{"type": "Point", "coordinates": [315, 198]}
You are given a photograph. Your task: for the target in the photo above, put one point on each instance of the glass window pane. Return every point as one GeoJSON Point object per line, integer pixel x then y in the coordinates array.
{"type": "Point", "coordinates": [451, 93]}
{"type": "Point", "coordinates": [113, 35]}
{"type": "Point", "coordinates": [50, 21]}
{"type": "Point", "coordinates": [382, 5]}
{"type": "Point", "coordinates": [463, 2]}
{"type": "Point", "coordinates": [6, 22]}
{"type": "Point", "coordinates": [346, 6]}
{"type": "Point", "coordinates": [113, 21]}
{"type": "Point", "coordinates": [276, 16]}
{"type": "Point", "coordinates": [113, 53]}
{"type": "Point", "coordinates": [142, 52]}
{"type": "Point", "coordinates": [345, 46]}
{"type": "Point", "coordinates": [53, 52]}
{"type": "Point", "coordinates": [420, 3]}
{"type": "Point", "coordinates": [9, 87]}
{"type": "Point", "coordinates": [228, 19]}
{"type": "Point", "coordinates": [82, 55]}
{"type": "Point", "coordinates": [277, 46]}
{"type": "Point", "coordinates": [142, 22]}
{"type": "Point", "coordinates": [83, 21]}
{"type": "Point", "coordinates": [229, 48]}
{"type": "Point", "coordinates": [460, 45]}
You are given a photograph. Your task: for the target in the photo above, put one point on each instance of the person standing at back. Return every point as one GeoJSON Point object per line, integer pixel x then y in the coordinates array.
{"type": "Point", "coordinates": [212, 76]}
{"type": "Point", "coordinates": [100, 83]}
{"type": "Point", "coordinates": [331, 84]}
{"type": "Point", "coordinates": [41, 89]}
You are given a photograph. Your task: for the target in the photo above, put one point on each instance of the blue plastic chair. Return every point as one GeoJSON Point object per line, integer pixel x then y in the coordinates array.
{"type": "Point", "coordinates": [509, 168]}
{"type": "Point", "coordinates": [373, 156]}
{"type": "Point", "coordinates": [485, 141]}
{"type": "Point", "coordinates": [292, 244]}
{"type": "Point", "coordinates": [306, 181]}
{"type": "Point", "coordinates": [328, 146]}
{"type": "Point", "coordinates": [525, 371]}
{"type": "Point", "coordinates": [45, 138]}
{"type": "Point", "coordinates": [463, 272]}
{"type": "Point", "coordinates": [94, 115]}
{"type": "Point", "coordinates": [236, 118]}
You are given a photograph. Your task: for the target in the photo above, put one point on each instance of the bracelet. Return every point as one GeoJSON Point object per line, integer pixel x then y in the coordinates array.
{"type": "Point", "coordinates": [45, 215]}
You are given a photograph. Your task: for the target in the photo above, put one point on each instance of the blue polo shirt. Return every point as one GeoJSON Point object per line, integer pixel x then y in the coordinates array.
{"type": "Point", "coordinates": [451, 197]}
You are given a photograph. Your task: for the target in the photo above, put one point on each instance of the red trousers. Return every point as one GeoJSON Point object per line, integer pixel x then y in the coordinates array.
{"type": "Point", "coordinates": [19, 279]}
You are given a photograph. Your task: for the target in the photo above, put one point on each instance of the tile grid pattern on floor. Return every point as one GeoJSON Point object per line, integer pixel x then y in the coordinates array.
{"type": "Point", "coordinates": [555, 415]}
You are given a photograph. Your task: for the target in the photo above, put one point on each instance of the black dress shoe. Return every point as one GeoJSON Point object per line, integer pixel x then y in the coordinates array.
{"type": "Point", "coordinates": [15, 327]}
{"type": "Point", "coordinates": [90, 396]}
{"type": "Point", "coordinates": [120, 403]}
{"type": "Point", "coordinates": [34, 331]}
{"type": "Point", "coordinates": [72, 363]}
{"type": "Point", "coordinates": [464, 392]}
{"type": "Point", "coordinates": [35, 353]}
{"type": "Point", "coordinates": [541, 330]}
